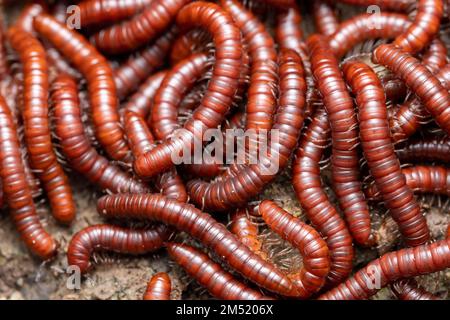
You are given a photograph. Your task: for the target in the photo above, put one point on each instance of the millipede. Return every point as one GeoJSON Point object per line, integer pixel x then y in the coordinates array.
{"type": "Point", "coordinates": [159, 287]}
{"type": "Point", "coordinates": [99, 76]}
{"type": "Point", "coordinates": [313, 199]}
{"type": "Point", "coordinates": [314, 250]}
{"type": "Point", "coordinates": [109, 11]}
{"type": "Point", "coordinates": [166, 104]}
{"type": "Point", "coordinates": [57, 61]}
{"type": "Point", "coordinates": [344, 129]}
{"type": "Point", "coordinates": [366, 26]}
{"type": "Point", "coordinates": [424, 27]}
{"type": "Point", "coordinates": [380, 154]}
{"type": "Point", "coordinates": [186, 44]}
{"type": "Point", "coordinates": [113, 238]}
{"type": "Point", "coordinates": [410, 290]}
{"type": "Point", "coordinates": [180, 79]}
{"type": "Point", "coordinates": [129, 74]}
{"type": "Point", "coordinates": [4, 64]}
{"type": "Point", "coordinates": [392, 266]}
{"type": "Point", "coordinates": [141, 101]}
{"type": "Point", "coordinates": [210, 275]}
{"type": "Point", "coordinates": [289, 36]}
{"type": "Point", "coordinates": [409, 117]}
{"type": "Point", "coordinates": [221, 88]}
{"type": "Point", "coordinates": [77, 147]}
{"type": "Point", "coordinates": [36, 123]}
{"type": "Point", "coordinates": [398, 5]}
{"type": "Point", "coordinates": [246, 231]}
{"type": "Point", "coordinates": [141, 140]}
{"type": "Point", "coordinates": [435, 56]}
{"type": "Point", "coordinates": [261, 99]}
{"type": "Point", "coordinates": [325, 18]}
{"type": "Point", "coordinates": [436, 100]}
{"type": "Point", "coordinates": [16, 191]}
{"type": "Point", "coordinates": [427, 149]}
{"type": "Point", "coordinates": [142, 28]}
{"type": "Point", "coordinates": [422, 179]}
{"type": "Point", "coordinates": [203, 227]}
{"type": "Point", "coordinates": [26, 17]}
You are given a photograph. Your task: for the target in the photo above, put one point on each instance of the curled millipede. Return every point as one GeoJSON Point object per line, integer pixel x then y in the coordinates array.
{"type": "Point", "coordinates": [131, 34]}
{"type": "Point", "coordinates": [380, 154]}
{"type": "Point", "coordinates": [140, 65]}
{"type": "Point", "coordinates": [316, 261]}
{"type": "Point", "coordinates": [180, 79]}
{"type": "Point", "coordinates": [344, 132]}
{"type": "Point", "coordinates": [104, 11]}
{"type": "Point", "coordinates": [38, 139]}
{"type": "Point", "coordinates": [410, 290]}
{"type": "Point", "coordinates": [77, 147]}
{"type": "Point", "coordinates": [203, 227]}
{"type": "Point", "coordinates": [311, 195]}
{"type": "Point", "coordinates": [95, 69]}
{"type": "Point", "coordinates": [164, 118]}
{"type": "Point", "coordinates": [113, 238]}
{"type": "Point", "coordinates": [325, 18]}
{"type": "Point", "coordinates": [210, 275]}
{"type": "Point", "coordinates": [429, 149]}
{"type": "Point", "coordinates": [424, 27]}
{"type": "Point", "coordinates": [427, 87]}
{"type": "Point", "coordinates": [159, 287]}
{"type": "Point", "coordinates": [423, 179]}
{"type": "Point", "coordinates": [241, 182]}
{"type": "Point", "coordinates": [221, 88]}
{"type": "Point", "coordinates": [392, 266]}
{"type": "Point", "coordinates": [16, 191]}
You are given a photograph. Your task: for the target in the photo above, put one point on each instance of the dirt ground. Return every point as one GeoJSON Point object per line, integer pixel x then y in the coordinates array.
{"type": "Point", "coordinates": [123, 277]}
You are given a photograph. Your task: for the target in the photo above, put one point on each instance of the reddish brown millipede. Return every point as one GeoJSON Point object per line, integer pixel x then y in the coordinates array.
{"type": "Point", "coordinates": [158, 287]}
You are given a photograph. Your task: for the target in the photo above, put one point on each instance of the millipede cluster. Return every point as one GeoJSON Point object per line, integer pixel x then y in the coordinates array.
{"type": "Point", "coordinates": [355, 112]}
